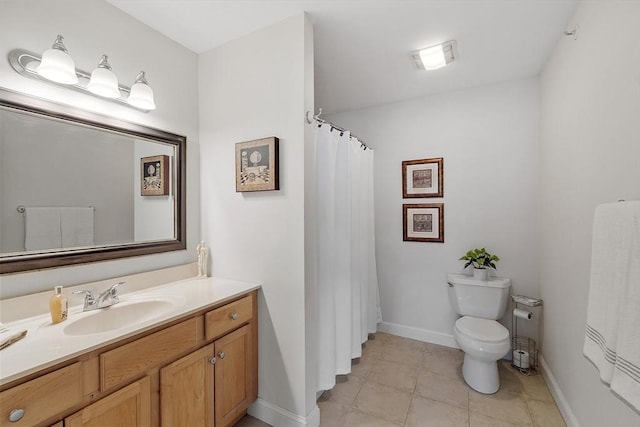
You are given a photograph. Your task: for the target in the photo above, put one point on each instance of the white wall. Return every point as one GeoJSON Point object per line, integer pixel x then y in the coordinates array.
{"type": "Point", "coordinates": [488, 137]}
{"type": "Point", "coordinates": [590, 154]}
{"type": "Point", "coordinates": [253, 87]}
{"type": "Point", "coordinates": [91, 28]}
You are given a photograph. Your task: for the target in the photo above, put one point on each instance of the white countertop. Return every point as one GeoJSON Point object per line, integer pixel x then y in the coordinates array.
{"type": "Point", "coordinates": [46, 344]}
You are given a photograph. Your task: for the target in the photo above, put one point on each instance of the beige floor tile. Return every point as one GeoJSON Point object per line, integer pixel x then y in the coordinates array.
{"type": "Point", "coordinates": [332, 414]}
{"type": "Point", "coordinates": [383, 402]}
{"type": "Point", "coordinates": [443, 389]}
{"type": "Point", "coordinates": [373, 347]}
{"type": "Point", "coordinates": [384, 337]}
{"type": "Point", "coordinates": [479, 420]}
{"type": "Point", "coordinates": [249, 421]}
{"type": "Point", "coordinates": [362, 367]}
{"type": "Point", "coordinates": [534, 387]}
{"type": "Point", "coordinates": [408, 356]}
{"type": "Point", "coordinates": [346, 390]}
{"type": "Point", "coordinates": [397, 375]}
{"type": "Point", "coordinates": [378, 391]}
{"type": "Point", "coordinates": [357, 418]}
{"type": "Point", "coordinates": [509, 378]}
{"type": "Point", "coordinates": [443, 362]}
{"type": "Point", "coordinates": [503, 405]}
{"type": "Point", "coordinates": [444, 350]}
{"type": "Point", "coordinates": [405, 343]}
{"type": "Point", "coordinates": [425, 412]}
{"type": "Point", "coordinates": [545, 414]}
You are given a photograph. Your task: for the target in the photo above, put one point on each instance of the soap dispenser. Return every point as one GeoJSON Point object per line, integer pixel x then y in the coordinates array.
{"type": "Point", "coordinates": [58, 305]}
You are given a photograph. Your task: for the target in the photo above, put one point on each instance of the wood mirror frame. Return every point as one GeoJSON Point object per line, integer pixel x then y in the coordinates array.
{"type": "Point", "coordinates": [16, 262]}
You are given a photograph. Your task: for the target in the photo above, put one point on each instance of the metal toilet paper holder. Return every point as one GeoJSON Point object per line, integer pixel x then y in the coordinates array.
{"type": "Point", "coordinates": [525, 350]}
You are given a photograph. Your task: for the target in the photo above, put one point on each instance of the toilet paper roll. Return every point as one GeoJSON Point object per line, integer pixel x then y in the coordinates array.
{"type": "Point", "coordinates": [521, 359]}
{"type": "Point", "coordinates": [522, 314]}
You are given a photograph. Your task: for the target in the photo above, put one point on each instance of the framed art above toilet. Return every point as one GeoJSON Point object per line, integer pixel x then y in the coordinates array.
{"type": "Point", "coordinates": [423, 222]}
{"type": "Point", "coordinates": [423, 178]}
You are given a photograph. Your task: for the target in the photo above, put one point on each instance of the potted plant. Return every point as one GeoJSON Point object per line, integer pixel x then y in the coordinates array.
{"type": "Point", "coordinates": [480, 259]}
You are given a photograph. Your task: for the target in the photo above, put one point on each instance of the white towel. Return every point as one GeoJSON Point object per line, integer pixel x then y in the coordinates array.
{"type": "Point", "coordinates": [76, 226]}
{"type": "Point", "coordinates": [42, 228]}
{"type": "Point", "coordinates": [612, 341]}
{"type": "Point", "coordinates": [8, 336]}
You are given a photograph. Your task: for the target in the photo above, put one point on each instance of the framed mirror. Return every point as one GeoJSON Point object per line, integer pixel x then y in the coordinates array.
{"type": "Point", "coordinates": [79, 187]}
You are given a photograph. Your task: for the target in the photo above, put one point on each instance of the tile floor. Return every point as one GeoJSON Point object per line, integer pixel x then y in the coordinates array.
{"type": "Point", "coordinates": [249, 421]}
{"type": "Point", "coordinates": [402, 382]}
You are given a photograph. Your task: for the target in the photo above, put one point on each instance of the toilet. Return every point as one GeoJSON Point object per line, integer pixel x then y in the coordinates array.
{"type": "Point", "coordinates": [484, 341]}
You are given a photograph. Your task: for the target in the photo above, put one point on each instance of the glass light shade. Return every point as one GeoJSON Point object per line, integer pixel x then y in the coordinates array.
{"type": "Point", "coordinates": [104, 81]}
{"type": "Point", "coordinates": [433, 57]}
{"type": "Point", "coordinates": [56, 65]}
{"type": "Point", "coordinates": [141, 95]}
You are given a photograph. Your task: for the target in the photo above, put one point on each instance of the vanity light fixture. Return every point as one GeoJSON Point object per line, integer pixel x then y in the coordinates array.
{"type": "Point", "coordinates": [103, 81]}
{"type": "Point", "coordinates": [56, 66]}
{"type": "Point", "coordinates": [141, 95]}
{"type": "Point", "coordinates": [435, 57]}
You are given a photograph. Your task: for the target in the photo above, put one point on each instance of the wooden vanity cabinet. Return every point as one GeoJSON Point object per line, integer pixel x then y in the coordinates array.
{"type": "Point", "coordinates": [187, 390]}
{"type": "Point", "coordinates": [130, 406]}
{"type": "Point", "coordinates": [41, 398]}
{"type": "Point", "coordinates": [200, 371]}
{"type": "Point", "coordinates": [235, 378]}
{"type": "Point", "coordinates": [215, 384]}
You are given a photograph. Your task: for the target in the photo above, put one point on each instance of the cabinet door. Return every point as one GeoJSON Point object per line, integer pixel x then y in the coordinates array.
{"type": "Point", "coordinates": [233, 375]}
{"type": "Point", "coordinates": [186, 390]}
{"type": "Point", "coordinates": [130, 406]}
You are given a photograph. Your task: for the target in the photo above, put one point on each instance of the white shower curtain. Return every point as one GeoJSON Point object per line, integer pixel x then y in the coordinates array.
{"type": "Point", "coordinates": [348, 299]}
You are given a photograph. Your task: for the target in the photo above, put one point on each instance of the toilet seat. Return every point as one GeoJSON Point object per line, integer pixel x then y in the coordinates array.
{"type": "Point", "coordinates": [479, 329]}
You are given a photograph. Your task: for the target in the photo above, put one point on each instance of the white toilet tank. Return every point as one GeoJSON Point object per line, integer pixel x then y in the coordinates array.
{"type": "Point", "coordinates": [478, 298]}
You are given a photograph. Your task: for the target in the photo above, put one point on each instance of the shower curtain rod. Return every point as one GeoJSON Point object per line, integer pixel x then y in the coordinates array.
{"type": "Point", "coordinates": [316, 117]}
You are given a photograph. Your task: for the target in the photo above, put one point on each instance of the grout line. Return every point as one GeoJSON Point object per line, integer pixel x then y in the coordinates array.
{"type": "Point", "coordinates": [406, 416]}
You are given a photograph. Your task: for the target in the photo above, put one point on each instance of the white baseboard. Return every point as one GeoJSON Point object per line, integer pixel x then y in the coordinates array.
{"type": "Point", "coordinates": [280, 417]}
{"type": "Point", "coordinates": [557, 394]}
{"type": "Point", "coordinates": [418, 334]}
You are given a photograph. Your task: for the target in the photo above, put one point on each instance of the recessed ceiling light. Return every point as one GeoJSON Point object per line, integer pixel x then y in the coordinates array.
{"type": "Point", "coordinates": [435, 57]}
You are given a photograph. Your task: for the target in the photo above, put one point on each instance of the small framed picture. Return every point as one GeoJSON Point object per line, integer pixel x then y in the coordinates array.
{"type": "Point", "coordinates": [257, 165]}
{"type": "Point", "coordinates": [423, 178]}
{"type": "Point", "coordinates": [423, 222]}
{"type": "Point", "coordinates": [154, 176]}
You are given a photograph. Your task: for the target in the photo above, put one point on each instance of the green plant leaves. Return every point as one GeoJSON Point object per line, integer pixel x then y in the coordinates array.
{"type": "Point", "coordinates": [479, 258]}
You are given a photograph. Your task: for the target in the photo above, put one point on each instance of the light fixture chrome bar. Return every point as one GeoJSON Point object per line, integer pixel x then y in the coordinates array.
{"type": "Point", "coordinates": [25, 63]}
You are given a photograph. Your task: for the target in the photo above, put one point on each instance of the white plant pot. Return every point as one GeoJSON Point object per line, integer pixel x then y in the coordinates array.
{"type": "Point", "coordinates": [480, 273]}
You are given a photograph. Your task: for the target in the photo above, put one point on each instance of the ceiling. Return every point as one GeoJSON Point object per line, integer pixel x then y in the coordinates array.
{"type": "Point", "coordinates": [362, 46]}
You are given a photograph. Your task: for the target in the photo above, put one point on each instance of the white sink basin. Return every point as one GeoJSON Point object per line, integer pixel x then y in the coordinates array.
{"type": "Point", "coordinates": [121, 315]}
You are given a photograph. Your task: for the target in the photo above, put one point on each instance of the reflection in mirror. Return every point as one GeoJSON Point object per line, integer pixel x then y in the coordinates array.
{"type": "Point", "coordinates": [73, 186]}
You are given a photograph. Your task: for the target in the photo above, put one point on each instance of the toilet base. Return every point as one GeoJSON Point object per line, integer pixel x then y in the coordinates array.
{"type": "Point", "coordinates": [481, 376]}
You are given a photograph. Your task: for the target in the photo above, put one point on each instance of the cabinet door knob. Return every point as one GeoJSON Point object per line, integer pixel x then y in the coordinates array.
{"type": "Point", "coordinates": [234, 316]}
{"type": "Point", "coordinates": [221, 355]}
{"type": "Point", "coordinates": [212, 360]}
{"type": "Point", "coordinates": [16, 415]}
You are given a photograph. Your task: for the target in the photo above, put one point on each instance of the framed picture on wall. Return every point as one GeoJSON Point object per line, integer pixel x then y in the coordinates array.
{"type": "Point", "coordinates": [423, 178]}
{"type": "Point", "coordinates": [154, 176]}
{"type": "Point", "coordinates": [257, 165]}
{"type": "Point", "coordinates": [423, 222]}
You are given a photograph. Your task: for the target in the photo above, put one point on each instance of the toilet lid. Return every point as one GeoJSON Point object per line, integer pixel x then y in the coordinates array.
{"type": "Point", "coordinates": [481, 329]}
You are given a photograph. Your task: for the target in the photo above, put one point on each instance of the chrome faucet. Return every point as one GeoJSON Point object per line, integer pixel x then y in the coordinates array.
{"type": "Point", "coordinates": [105, 299]}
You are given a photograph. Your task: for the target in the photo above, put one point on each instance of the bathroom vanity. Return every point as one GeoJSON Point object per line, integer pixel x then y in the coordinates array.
{"type": "Point", "coordinates": [180, 354]}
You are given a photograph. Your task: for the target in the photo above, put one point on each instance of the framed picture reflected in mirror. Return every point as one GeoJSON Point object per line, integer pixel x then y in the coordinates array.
{"type": "Point", "coordinates": [154, 176]}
